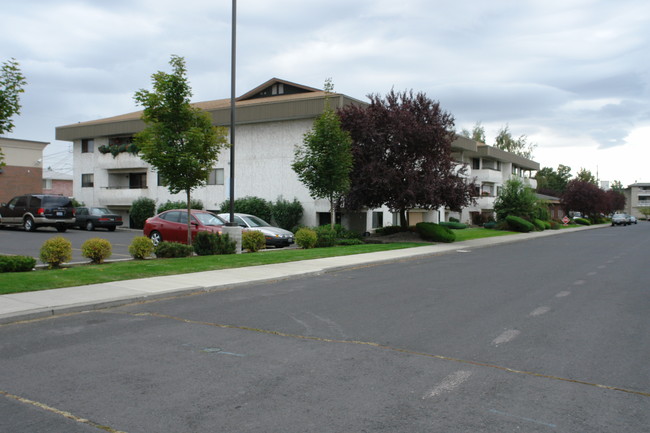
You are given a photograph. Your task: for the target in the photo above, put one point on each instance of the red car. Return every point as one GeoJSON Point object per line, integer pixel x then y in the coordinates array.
{"type": "Point", "coordinates": [171, 225]}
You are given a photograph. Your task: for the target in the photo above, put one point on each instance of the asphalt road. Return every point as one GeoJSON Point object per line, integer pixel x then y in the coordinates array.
{"type": "Point", "coordinates": [548, 335]}
{"type": "Point", "coordinates": [17, 241]}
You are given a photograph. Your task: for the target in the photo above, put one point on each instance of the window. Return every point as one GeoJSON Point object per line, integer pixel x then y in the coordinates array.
{"type": "Point", "coordinates": [137, 180]}
{"type": "Point", "coordinates": [216, 177]}
{"type": "Point", "coordinates": [162, 181]}
{"type": "Point", "coordinates": [47, 183]}
{"type": "Point", "coordinates": [87, 180]}
{"type": "Point", "coordinates": [87, 145]}
{"type": "Point", "coordinates": [476, 163]}
{"type": "Point", "coordinates": [377, 219]}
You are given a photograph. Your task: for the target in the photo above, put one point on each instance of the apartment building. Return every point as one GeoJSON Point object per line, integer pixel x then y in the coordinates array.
{"type": "Point", "coordinates": [23, 172]}
{"type": "Point", "coordinates": [637, 197]}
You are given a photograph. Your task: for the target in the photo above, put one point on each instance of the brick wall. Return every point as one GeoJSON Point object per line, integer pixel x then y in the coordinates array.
{"type": "Point", "coordinates": [63, 187]}
{"type": "Point", "coordinates": [20, 180]}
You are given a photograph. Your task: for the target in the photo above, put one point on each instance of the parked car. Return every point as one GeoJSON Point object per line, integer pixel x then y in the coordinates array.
{"type": "Point", "coordinates": [275, 236]}
{"type": "Point", "coordinates": [632, 219]}
{"type": "Point", "coordinates": [32, 211]}
{"type": "Point", "coordinates": [620, 219]}
{"type": "Point", "coordinates": [171, 225]}
{"type": "Point", "coordinates": [93, 217]}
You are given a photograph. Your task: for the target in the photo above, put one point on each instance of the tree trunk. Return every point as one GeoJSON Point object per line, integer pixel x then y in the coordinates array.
{"type": "Point", "coordinates": [332, 213]}
{"type": "Point", "coordinates": [403, 219]}
{"type": "Point", "coordinates": [189, 219]}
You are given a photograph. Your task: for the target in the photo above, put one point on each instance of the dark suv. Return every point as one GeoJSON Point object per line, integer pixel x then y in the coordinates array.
{"type": "Point", "coordinates": [38, 210]}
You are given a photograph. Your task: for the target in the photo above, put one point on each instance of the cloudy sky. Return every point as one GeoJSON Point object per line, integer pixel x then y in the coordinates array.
{"type": "Point", "coordinates": [571, 75]}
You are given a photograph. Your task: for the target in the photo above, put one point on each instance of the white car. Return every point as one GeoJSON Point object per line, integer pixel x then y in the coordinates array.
{"type": "Point", "coordinates": [620, 219]}
{"type": "Point", "coordinates": [275, 236]}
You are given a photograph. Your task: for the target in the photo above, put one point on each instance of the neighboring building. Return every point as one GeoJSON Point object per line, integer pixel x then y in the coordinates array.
{"type": "Point", "coordinates": [637, 196]}
{"type": "Point", "coordinates": [22, 173]}
{"type": "Point", "coordinates": [554, 204]}
{"type": "Point", "coordinates": [57, 183]}
{"type": "Point", "coordinates": [271, 122]}
{"type": "Point", "coordinates": [490, 168]}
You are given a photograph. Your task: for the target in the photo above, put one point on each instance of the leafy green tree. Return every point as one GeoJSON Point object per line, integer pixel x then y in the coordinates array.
{"type": "Point", "coordinates": [12, 82]}
{"type": "Point", "coordinates": [477, 133]}
{"type": "Point", "coordinates": [179, 139]}
{"type": "Point", "coordinates": [617, 186]}
{"type": "Point", "coordinates": [324, 162]}
{"type": "Point", "coordinates": [553, 182]}
{"type": "Point", "coordinates": [519, 146]}
{"type": "Point", "coordinates": [516, 199]}
{"type": "Point", "coordinates": [251, 205]}
{"type": "Point", "coordinates": [645, 211]}
{"type": "Point", "coordinates": [585, 175]}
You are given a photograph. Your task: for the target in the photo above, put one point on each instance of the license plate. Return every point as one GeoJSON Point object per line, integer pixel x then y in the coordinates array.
{"type": "Point", "coordinates": [59, 213]}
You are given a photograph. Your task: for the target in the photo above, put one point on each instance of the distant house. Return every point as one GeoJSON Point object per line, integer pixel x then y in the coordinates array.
{"type": "Point", "coordinates": [57, 183]}
{"type": "Point", "coordinates": [554, 206]}
{"type": "Point", "coordinates": [23, 173]}
{"type": "Point", "coordinates": [637, 197]}
{"type": "Point", "coordinates": [272, 120]}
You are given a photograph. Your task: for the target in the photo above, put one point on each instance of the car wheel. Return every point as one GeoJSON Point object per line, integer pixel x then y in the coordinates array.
{"type": "Point", "coordinates": [61, 228]}
{"type": "Point", "coordinates": [111, 229]}
{"type": "Point", "coordinates": [155, 237]}
{"type": "Point", "coordinates": [29, 225]}
{"type": "Point", "coordinates": [90, 226]}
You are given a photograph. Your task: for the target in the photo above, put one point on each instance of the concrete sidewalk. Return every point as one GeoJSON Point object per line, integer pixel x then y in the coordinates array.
{"type": "Point", "coordinates": [30, 305]}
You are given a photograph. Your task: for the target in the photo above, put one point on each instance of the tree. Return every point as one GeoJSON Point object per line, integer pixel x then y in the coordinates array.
{"type": "Point", "coordinates": [617, 185]}
{"type": "Point", "coordinates": [553, 182]}
{"type": "Point", "coordinates": [516, 199]}
{"type": "Point", "coordinates": [583, 197]}
{"type": "Point", "coordinates": [401, 145]}
{"type": "Point", "coordinates": [179, 140]}
{"type": "Point", "coordinates": [645, 211]}
{"type": "Point", "coordinates": [519, 146]}
{"type": "Point", "coordinates": [12, 82]}
{"type": "Point", "coordinates": [477, 133]}
{"type": "Point", "coordinates": [586, 176]}
{"type": "Point", "coordinates": [612, 201]}
{"type": "Point", "coordinates": [324, 162]}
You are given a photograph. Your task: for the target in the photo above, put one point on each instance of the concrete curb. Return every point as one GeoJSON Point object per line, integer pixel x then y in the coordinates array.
{"type": "Point", "coordinates": [47, 303]}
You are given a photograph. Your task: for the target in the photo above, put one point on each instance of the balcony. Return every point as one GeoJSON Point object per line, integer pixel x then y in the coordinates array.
{"type": "Point", "coordinates": [487, 175]}
{"type": "Point", "coordinates": [121, 196]}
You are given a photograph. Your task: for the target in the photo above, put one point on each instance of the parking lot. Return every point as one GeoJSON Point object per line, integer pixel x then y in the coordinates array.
{"type": "Point", "coordinates": [17, 241]}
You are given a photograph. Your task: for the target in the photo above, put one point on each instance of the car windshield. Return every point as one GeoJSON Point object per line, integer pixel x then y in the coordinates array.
{"type": "Point", "coordinates": [253, 221]}
{"type": "Point", "coordinates": [100, 211]}
{"type": "Point", "coordinates": [208, 219]}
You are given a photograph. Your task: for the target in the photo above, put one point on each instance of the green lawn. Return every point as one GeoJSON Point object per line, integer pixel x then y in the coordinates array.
{"type": "Point", "coordinates": [14, 282]}
{"type": "Point", "coordinates": [127, 270]}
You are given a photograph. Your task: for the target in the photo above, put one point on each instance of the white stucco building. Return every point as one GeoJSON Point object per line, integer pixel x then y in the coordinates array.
{"type": "Point", "coordinates": [271, 121]}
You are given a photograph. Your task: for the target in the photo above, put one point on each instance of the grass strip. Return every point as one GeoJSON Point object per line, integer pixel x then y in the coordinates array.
{"type": "Point", "coordinates": [15, 282]}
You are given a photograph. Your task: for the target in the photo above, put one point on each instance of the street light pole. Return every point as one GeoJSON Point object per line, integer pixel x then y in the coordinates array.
{"type": "Point", "coordinates": [232, 229]}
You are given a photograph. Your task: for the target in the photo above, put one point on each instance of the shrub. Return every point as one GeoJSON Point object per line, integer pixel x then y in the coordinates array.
{"type": "Point", "coordinates": [141, 209]}
{"type": "Point", "coordinates": [251, 205]}
{"type": "Point", "coordinates": [172, 250]}
{"type": "Point", "coordinates": [350, 241]}
{"type": "Point", "coordinates": [555, 225]}
{"type": "Point", "coordinates": [194, 204]}
{"type": "Point", "coordinates": [55, 251]}
{"type": "Point", "coordinates": [326, 236]}
{"type": "Point", "coordinates": [389, 230]}
{"type": "Point", "coordinates": [547, 225]}
{"type": "Point", "coordinates": [226, 245]}
{"type": "Point", "coordinates": [582, 221]}
{"type": "Point", "coordinates": [253, 240]}
{"type": "Point", "coordinates": [141, 247]}
{"type": "Point", "coordinates": [490, 225]}
{"type": "Point", "coordinates": [435, 232]}
{"type": "Point", "coordinates": [206, 243]}
{"type": "Point", "coordinates": [96, 249]}
{"type": "Point", "coordinates": [454, 220]}
{"type": "Point", "coordinates": [287, 215]}
{"type": "Point", "coordinates": [16, 263]}
{"type": "Point", "coordinates": [519, 224]}
{"type": "Point", "coordinates": [539, 224]}
{"type": "Point", "coordinates": [306, 238]}
{"type": "Point", "coordinates": [453, 225]}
